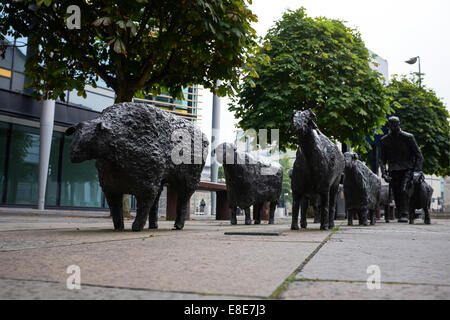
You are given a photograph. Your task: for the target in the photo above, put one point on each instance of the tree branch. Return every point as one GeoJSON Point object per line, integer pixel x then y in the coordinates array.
{"type": "Point", "coordinates": [142, 26]}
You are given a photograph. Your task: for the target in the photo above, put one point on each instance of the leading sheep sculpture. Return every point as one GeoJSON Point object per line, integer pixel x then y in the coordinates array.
{"type": "Point", "coordinates": [133, 145]}
{"type": "Point", "coordinates": [317, 170]}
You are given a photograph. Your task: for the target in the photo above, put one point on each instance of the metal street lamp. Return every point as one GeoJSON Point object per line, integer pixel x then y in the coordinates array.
{"type": "Point", "coordinates": [413, 61]}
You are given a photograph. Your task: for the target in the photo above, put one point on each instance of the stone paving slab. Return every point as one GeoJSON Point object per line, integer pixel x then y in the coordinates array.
{"type": "Point", "coordinates": [201, 262]}
{"type": "Point", "coordinates": [329, 290]}
{"type": "Point", "coordinates": [405, 253]}
{"type": "Point", "coordinates": [166, 260]}
{"type": "Point", "coordinates": [20, 223]}
{"type": "Point", "coordinates": [38, 290]}
{"type": "Point", "coordinates": [83, 231]}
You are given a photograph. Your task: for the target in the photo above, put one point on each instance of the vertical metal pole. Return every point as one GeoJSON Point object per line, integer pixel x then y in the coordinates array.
{"type": "Point", "coordinates": [420, 75]}
{"type": "Point", "coordinates": [214, 143]}
{"type": "Point", "coordinates": [47, 117]}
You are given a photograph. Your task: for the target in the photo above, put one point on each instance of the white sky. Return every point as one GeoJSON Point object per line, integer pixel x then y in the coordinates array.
{"type": "Point", "coordinates": [394, 29]}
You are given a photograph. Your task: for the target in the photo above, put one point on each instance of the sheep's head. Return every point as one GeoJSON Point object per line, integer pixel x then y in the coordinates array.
{"type": "Point", "coordinates": [350, 159]}
{"type": "Point", "coordinates": [304, 121]}
{"type": "Point", "coordinates": [87, 140]}
{"type": "Point", "coordinates": [418, 178]}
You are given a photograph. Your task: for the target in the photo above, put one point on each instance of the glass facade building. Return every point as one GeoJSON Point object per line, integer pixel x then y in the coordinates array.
{"type": "Point", "coordinates": [68, 184]}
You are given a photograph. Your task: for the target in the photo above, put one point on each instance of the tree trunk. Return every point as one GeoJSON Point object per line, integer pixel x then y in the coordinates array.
{"type": "Point", "coordinates": [124, 95]}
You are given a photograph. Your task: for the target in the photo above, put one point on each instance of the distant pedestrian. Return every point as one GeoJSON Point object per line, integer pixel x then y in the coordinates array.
{"type": "Point", "coordinates": [202, 205]}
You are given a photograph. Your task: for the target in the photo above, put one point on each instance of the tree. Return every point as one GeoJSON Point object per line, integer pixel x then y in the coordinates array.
{"type": "Point", "coordinates": [320, 64]}
{"type": "Point", "coordinates": [424, 115]}
{"type": "Point", "coordinates": [286, 191]}
{"type": "Point", "coordinates": [135, 46]}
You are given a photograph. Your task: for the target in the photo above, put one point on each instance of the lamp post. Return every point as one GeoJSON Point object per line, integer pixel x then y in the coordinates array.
{"type": "Point", "coordinates": [215, 131]}
{"type": "Point", "coordinates": [413, 61]}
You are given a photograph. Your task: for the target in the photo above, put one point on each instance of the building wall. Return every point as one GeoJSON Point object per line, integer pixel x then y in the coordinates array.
{"type": "Point", "coordinates": [381, 65]}
{"type": "Point", "coordinates": [446, 192]}
{"type": "Point", "coordinates": [436, 183]}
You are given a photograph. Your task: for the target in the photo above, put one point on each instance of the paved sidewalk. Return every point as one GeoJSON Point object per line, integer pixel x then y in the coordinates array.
{"type": "Point", "coordinates": [201, 262]}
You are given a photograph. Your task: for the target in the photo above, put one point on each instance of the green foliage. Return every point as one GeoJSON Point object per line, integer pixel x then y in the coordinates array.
{"type": "Point", "coordinates": [134, 45]}
{"type": "Point", "coordinates": [424, 115]}
{"type": "Point", "coordinates": [220, 173]}
{"type": "Point", "coordinates": [315, 63]}
{"type": "Point", "coordinates": [287, 164]}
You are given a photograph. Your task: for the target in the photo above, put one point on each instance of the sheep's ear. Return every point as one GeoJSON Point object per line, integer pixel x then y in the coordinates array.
{"type": "Point", "coordinates": [102, 126]}
{"type": "Point", "coordinates": [70, 131]}
{"type": "Point", "coordinates": [355, 156]}
{"type": "Point", "coordinates": [312, 119]}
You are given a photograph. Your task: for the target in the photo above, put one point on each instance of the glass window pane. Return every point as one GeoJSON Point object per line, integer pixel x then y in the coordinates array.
{"type": "Point", "coordinates": [79, 181]}
{"type": "Point", "coordinates": [24, 167]}
{"type": "Point", "coordinates": [3, 136]}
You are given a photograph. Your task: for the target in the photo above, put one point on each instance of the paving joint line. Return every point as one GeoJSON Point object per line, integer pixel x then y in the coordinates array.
{"type": "Point", "coordinates": [78, 244]}
{"type": "Point", "coordinates": [281, 288]}
{"type": "Point", "coordinates": [142, 289]}
{"type": "Point", "coordinates": [151, 235]}
{"type": "Point", "coordinates": [139, 238]}
{"type": "Point", "coordinates": [362, 281]}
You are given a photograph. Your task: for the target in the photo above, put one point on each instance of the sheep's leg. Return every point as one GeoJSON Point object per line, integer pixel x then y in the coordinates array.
{"type": "Point", "coordinates": [115, 207]}
{"type": "Point", "coordinates": [153, 216]}
{"type": "Point", "coordinates": [315, 203]}
{"type": "Point", "coordinates": [350, 214]}
{"type": "Point", "coordinates": [363, 217]}
{"type": "Point", "coordinates": [248, 219]}
{"type": "Point", "coordinates": [143, 206]}
{"type": "Point", "coordinates": [387, 213]}
{"type": "Point", "coordinates": [233, 220]}
{"type": "Point", "coordinates": [412, 213]}
{"type": "Point", "coordinates": [304, 208]}
{"type": "Point", "coordinates": [273, 206]}
{"type": "Point", "coordinates": [333, 199]}
{"type": "Point", "coordinates": [324, 213]}
{"type": "Point", "coordinates": [427, 219]}
{"type": "Point", "coordinates": [182, 203]}
{"type": "Point", "coordinates": [373, 217]}
{"type": "Point", "coordinates": [295, 209]}
{"type": "Point", "coordinates": [257, 212]}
